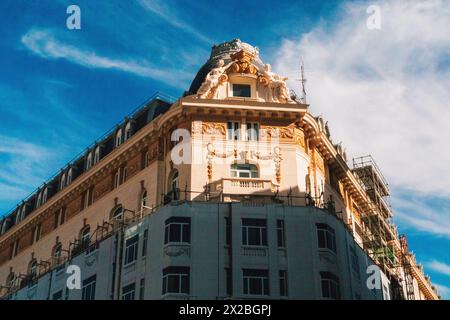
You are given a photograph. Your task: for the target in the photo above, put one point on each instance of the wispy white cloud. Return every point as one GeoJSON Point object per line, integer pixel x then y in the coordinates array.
{"type": "Point", "coordinates": [24, 167]}
{"type": "Point", "coordinates": [439, 267]}
{"type": "Point", "coordinates": [384, 91]}
{"type": "Point", "coordinates": [168, 14]}
{"type": "Point", "coordinates": [44, 43]}
{"type": "Point", "coordinates": [415, 213]}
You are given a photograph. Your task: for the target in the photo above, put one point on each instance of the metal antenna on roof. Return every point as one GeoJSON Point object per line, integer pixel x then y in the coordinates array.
{"type": "Point", "coordinates": [302, 81]}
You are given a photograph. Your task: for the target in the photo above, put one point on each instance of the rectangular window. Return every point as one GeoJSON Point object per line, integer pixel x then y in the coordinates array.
{"type": "Point", "coordinates": [128, 292]}
{"type": "Point", "coordinates": [242, 90]}
{"type": "Point", "coordinates": [125, 174]}
{"type": "Point", "coordinates": [131, 249]}
{"type": "Point", "coordinates": [178, 230]}
{"type": "Point", "coordinates": [142, 289]}
{"type": "Point", "coordinates": [229, 281]}
{"type": "Point", "coordinates": [280, 234]}
{"type": "Point", "coordinates": [117, 178]}
{"type": "Point", "coordinates": [256, 282]}
{"type": "Point", "coordinates": [57, 295]}
{"type": "Point", "coordinates": [254, 232]}
{"type": "Point", "coordinates": [88, 290]}
{"type": "Point", "coordinates": [326, 237]}
{"type": "Point", "coordinates": [283, 283]}
{"type": "Point", "coordinates": [37, 233]}
{"type": "Point", "coordinates": [252, 131]}
{"type": "Point", "coordinates": [176, 280]}
{"type": "Point", "coordinates": [144, 243]}
{"type": "Point", "coordinates": [330, 286]}
{"type": "Point", "coordinates": [233, 130]}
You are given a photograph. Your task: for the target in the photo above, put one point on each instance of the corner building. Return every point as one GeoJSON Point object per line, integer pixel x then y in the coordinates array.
{"type": "Point", "coordinates": [233, 191]}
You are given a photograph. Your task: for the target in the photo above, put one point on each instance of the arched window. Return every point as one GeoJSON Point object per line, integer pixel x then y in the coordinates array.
{"type": "Point", "coordinates": [89, 161]}
{"type": "Point", "coordinates": [97, 155]}
{"type": "Point", "coordinates": [85, 235]}
{"type": "Point", "coordinates": [62, 182]}
{"type": "Point", "coordinates": [124, 174]}
{"type": "Point", "coordinates": [117, 213]}
{"type": "Point", "coordinates": [32, 268]}
{"type": "Point", "coordinates": [119, 138]}
{"type": "Point", "coordinates": [128, 131]}
{"type": "Point", "coordinates": [117, 178]}
{"type": "Point", "coordinates": [244, 171]}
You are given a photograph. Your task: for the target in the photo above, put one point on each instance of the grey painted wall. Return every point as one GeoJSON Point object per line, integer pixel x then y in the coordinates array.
{"type": "Point", "coordinates": [208, 255]}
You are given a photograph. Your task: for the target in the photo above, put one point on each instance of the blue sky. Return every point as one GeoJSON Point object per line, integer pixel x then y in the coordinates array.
{"type": "Point", "coordinates": [60, 89]}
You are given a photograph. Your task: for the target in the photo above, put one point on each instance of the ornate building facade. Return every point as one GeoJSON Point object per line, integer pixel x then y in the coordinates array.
{"type": "Point", "coordinates": [222, 193]}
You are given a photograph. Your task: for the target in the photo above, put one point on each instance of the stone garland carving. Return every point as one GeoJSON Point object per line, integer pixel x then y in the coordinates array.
{"type": "Point", "coordinates": [212, 153]}
{"type": "Point", "coordinates": [276, 156]}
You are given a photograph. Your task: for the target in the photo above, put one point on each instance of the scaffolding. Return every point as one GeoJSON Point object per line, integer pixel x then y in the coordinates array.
{"type": "Point", "coordinates": [406, 266]}
{"type": "Point", "coordinates": [378, 233]}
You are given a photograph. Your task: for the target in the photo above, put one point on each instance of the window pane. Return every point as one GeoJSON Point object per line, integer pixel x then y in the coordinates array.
{"type": "Point", "coordinates": [264, 236]}
{"type": "Point", "coordinates": [243, 174]}
{"type": "Point", "coordinates": [185, 284]}
{"type": "Point", "coordinates": [173, 283]}
{"type": "Point", "coordinates": [186, 233]}
{"type": "Point", "coordinates": [241, 90]}
{"type": "Point", "coordinates": [255, 286]}
{"type": "Point", "coordinates": [254, 236]}
{"type": "Point", "coordinates": [244, 236]}
{"type": "Point", "coordinates": [175, 232]}
{"type": "Point", "coordinates": [321, 238]}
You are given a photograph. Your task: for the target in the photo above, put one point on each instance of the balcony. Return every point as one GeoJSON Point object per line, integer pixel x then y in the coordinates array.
{"type": "Point", "coordinates": [244, 186]}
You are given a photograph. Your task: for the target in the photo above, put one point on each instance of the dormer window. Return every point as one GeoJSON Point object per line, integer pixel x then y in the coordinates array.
{"type": "Point", "coordinates": [128, 131]}
{"type": "Point", "coordinates": [242, 90]}
{"type": "Point", "coordinates": [62, 183]}
{"type": "Point", "coordinates": [21, 213]}
{"type": "Point", "coordinates": [38, 200]}
{"type": "Point", "coordinates": [69, 176]}
{"type": "Point", "coordinates": [44, 195]}
{"type": "Point", "coordinates": [118, 138]}
{"type": "Point", "coordinates": [97, 155]}
{"type": "Point", "coordinates": [89, 161]}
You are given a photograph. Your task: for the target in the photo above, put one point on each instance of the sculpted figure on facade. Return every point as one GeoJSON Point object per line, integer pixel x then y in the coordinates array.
{"type": "Point", "coordinates": [213, 79]}
{"type": "Point", "coordinates": [278, 90]}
